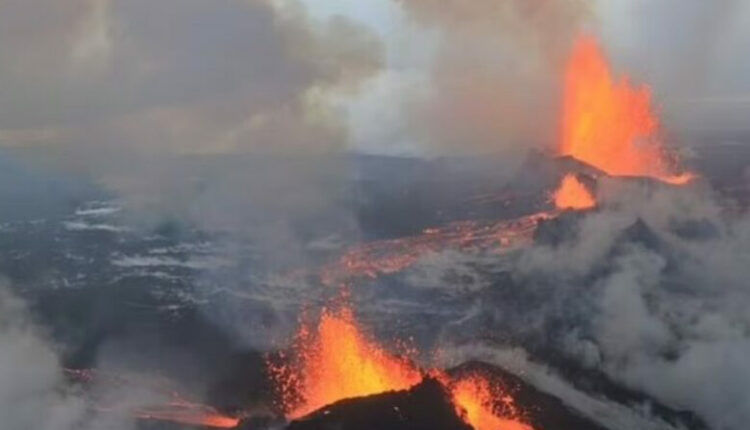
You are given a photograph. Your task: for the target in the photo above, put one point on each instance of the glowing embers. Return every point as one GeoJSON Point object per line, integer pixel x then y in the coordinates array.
{"type": "Point", "coordinates": [572, 194]}
{"type": "Point", "coordinates": [609, 123]}
{"type": "Point", "coordinates": [335, 360]}
{"type": "Point", "coordinates": [476, 401]}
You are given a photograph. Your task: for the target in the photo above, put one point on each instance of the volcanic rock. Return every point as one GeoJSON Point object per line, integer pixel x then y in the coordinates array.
{"type": "Point", "coordinates": [426, 406]}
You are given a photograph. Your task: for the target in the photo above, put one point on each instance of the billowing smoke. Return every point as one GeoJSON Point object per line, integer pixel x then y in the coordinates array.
{"type": "Point", "coordinates": [33, 391]}
{"type": "Point", "coordinates": [124, 90]}
{"type": "Point", "coordinates": [495, 76]}
{"type": "Point", "coordinates": [227, 116]}
{"type": "Point", "coordinates": [214, 116]}
{"type": "Point", "coordinates": [491, 70]}
{"type": "Point", "coordinates": [649, 289]}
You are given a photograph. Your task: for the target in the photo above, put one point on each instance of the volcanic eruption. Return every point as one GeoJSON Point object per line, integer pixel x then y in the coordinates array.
{"type": "Point", "coordinates": [369, 215]}
{"type": "Point", "coordinates": [333, 360]}
{"type": "Point", "coordinates": [572, 194]}
{"type": "Point", "coordinates": [609, 123]}
{"type": "Point", "coordinates": [606, 123]}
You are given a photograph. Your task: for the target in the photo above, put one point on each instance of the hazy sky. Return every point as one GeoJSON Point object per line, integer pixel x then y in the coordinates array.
{"type": "Point", "coordinates": [692, 53]}
{"type": "Point", "coordinates": [391, 77]}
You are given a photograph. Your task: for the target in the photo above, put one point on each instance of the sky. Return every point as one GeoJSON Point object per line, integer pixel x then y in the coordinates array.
{"type": "Point", "coordinates": [689, 53]}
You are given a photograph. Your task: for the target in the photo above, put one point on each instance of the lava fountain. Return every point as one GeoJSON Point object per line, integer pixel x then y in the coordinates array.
{"type": "Point", "coordinates": [609, 123]}
{"type": "Point", "coordinates": [335, 360]}
{"type": "Point", "coordinates": [572, 194]}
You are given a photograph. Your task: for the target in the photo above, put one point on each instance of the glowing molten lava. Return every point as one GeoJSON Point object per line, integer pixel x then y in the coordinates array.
{"type": "Point", "coordinates": [608, 122]}
{"type": "Point", "coordinates": [336, 361]}
{"type": "Point", "coordinates": [572, 194]}
{"type": "Point", "coordinates": [474, 399]}
{"type": "Point", "coordinates": [383, 257]}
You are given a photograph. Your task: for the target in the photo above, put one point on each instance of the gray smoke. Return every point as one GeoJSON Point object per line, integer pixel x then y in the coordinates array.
{"type": "Point", "coordinates": [138, 94]}
{"type": "Point", "coordinates": [33, 392]}
{"type": "Point", "coordinates": [650, 289]}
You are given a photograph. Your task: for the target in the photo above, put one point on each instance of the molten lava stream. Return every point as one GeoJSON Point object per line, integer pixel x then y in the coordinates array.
{"type": "Point", "coordinates": [609, 123]}
{"type": "Point", "coordinates": [335, 360]}
{"type": "Point", "coordinates": [373, 259]}
{"type": "Point", "coordinates": [572, 194]}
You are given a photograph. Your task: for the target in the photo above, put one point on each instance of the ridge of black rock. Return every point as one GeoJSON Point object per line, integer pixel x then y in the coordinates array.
{"type": "Point", "coordinates": [425, 406]}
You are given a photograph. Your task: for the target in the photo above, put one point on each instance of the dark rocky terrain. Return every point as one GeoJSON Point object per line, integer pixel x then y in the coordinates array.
{"type": "Point", "coordinates": [171, 298]}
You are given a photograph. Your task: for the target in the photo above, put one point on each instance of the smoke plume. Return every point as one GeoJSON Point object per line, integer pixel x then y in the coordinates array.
{"type": "Point", "coordinates": [33, 392]}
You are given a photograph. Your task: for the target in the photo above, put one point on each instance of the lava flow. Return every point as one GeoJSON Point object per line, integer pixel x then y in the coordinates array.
{"type": "Point", "coordinates": [334, 360]}
{"type": "Point", "coordinates": [384, 257]}
{"type": "Point", "coordinates": [572, 194]}
{"type": "Point", "coordinates": [609, 123]}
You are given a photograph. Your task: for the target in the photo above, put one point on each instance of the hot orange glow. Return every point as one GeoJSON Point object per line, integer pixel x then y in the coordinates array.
{"type": "Point", "coordinates": [336, 361]}
{"type": "Point", "coordinates": [373, 259]}
{"type": "Point", "coordinates": [474, 399]}
{"type": "Point", "coordinates": [572, 194]}
{"type": "Point", "coordinates": [608, 122]}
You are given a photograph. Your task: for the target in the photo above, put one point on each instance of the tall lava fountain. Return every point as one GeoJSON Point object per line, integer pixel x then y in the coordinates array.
{"type": "Point", "coordinates": [610, 123]}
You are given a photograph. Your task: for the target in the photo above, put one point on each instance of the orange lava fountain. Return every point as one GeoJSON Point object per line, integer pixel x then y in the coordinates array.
{"type": "Point", "coordinates": [609, 123]}
{"type": "Point", "coordinates": [572, 194]}
{"type": "Point", "coordinates": [336, 361]}
{"type": "Point", "coordinates": [474, 398]}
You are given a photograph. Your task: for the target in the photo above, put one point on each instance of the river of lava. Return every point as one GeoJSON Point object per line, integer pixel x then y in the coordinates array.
{"type": "Point", "coordinates": [572, 194]}
{"type": "Point", "coordinates": [383, 257]}
{"type": "Point", "coordinates": [474, 399]}
{"type": "Point", "coordinates": [335, 360]}
{"type": "Point", "coordinates": [608, 122]}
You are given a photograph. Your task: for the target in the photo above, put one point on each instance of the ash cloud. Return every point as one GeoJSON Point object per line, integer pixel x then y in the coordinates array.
{"type": "Point", "coordinates": [119, 90]}
{"type": "Point", "coordinates": [494, 79]}
{"type": "Point", "coordinates": [491, 80]}
{"type": "Point", "coordinates": [216, 116]}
